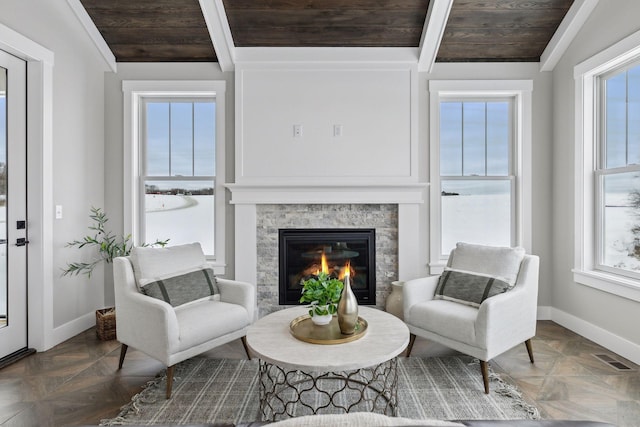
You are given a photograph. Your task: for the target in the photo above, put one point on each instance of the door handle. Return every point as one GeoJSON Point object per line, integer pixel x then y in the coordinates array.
{"type": "Point", "coordinates": [21, 241]}
{"type": "Point", "coordinates": [3, 241]}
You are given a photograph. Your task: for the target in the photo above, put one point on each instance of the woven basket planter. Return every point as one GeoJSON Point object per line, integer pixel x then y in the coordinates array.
{"type": "Point", "coordinates": [106, 324]}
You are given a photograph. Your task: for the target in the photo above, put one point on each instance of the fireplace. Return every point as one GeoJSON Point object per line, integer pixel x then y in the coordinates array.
{"type": "Point", "coordinates": [305, 252]}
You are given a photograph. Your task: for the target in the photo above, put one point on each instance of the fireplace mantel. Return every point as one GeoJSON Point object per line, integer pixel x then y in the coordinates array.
{"type": "Point", "coordinates": [326, 193]}
{"type": "Point", "coordinates": [409, 198]}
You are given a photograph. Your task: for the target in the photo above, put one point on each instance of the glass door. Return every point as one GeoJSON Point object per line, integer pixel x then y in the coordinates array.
{"type": "Point", "coordinates": [13, 221]}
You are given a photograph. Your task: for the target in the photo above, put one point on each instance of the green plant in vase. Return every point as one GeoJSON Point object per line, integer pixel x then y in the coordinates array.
{"type": "Point", "coordinates": [322, 293]}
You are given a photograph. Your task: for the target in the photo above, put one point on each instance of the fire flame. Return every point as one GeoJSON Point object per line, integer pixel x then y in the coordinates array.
{"type": "Point", "coordinates": [325, 266]}
{"type": "Point", "coordinates": [343, 272]}
{"type": "Point", "coordinates": [346, 271]}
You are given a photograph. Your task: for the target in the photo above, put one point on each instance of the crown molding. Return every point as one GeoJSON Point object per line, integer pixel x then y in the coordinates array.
{"type": "Point", "coordinates": [314, 55]}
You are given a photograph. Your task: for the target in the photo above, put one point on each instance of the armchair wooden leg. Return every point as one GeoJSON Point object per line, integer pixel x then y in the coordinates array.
{"type": "Point", "coordinates": [529, 349]}
{"type": "Point", "coordinates": [484, 367]}
{"type": "Point", "coordinates": [246, 348]}
{"type": "Point", "coordinates": [123, 352]}
{"type": "Point", "coordinates": [169, 380]}
{"type": "Point", "coordinates": [412, 339]}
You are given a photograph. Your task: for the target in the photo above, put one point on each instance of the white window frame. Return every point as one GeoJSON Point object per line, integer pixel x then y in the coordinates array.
{"type": "Point", "coordinates": [586, 74]}
{"type": "Point", "coordinates": [134, 93]}
{"type": "Point", "coordinates": [520, 92]}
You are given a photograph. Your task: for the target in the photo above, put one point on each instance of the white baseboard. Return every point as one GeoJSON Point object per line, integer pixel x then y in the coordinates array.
{"type": "Point", "coordinates": [71, 329]}
{"type": "Point", "coordinates": [619, 345]}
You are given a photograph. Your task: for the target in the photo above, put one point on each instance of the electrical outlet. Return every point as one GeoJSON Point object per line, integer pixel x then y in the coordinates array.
{"type": "Point", "coordinates": [297, 131]}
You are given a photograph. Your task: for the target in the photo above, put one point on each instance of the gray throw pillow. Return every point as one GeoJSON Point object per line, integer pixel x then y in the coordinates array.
{"type": "Point", "coordinates": [468, 288]}
{"type": "Point", "coordinates": [183, 288]}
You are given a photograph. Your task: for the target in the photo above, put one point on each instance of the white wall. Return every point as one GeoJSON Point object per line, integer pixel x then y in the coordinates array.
{"type": "Point", "coordinates": [77, 177]}
{"type": "Point", "coordinates": [373, 105]}
{"type": "Point", "coordinates": [114, 154]}
{"type": "Point", "coordinates": [598, 315]}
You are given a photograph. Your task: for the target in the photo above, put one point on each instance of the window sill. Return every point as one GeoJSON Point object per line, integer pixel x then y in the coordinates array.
{"type": "Point", "coordinates": [436, 269]}
{"type": "Point", "coordinates": [218, 269]}
{"type": "Point", "coordinates": [607, 282]}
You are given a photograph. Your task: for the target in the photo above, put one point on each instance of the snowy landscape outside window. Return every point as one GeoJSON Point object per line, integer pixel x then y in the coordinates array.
{"type": "Point", "coordinates": [618, 172]}
{"type": "Point", "coordinates": [476, 172]}
{"type": "Point", "coordinates": [178, 170]}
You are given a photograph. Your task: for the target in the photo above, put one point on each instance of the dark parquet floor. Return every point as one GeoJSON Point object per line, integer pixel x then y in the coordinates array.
{"type": "Point", "coordinates": [76, 383]}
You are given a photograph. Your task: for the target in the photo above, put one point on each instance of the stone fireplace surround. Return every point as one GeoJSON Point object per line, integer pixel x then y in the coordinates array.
{"type": "Point", "coordinates": [261, 210]}
{"type": "Point", "coordinates": [271, 218]}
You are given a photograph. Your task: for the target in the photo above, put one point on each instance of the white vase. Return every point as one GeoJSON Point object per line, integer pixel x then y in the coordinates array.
{"type": "Point", "coordinates": [321, 319]}
{"type": "Point", "coordinates": [394, 304]}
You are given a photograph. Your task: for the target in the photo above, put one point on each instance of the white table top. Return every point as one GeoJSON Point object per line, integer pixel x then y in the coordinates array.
{"type": "Point", "coordinates": [271, 340]}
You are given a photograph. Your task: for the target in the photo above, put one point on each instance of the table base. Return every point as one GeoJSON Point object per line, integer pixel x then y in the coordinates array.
{"type": "Point", "coordinates": [285, 394]}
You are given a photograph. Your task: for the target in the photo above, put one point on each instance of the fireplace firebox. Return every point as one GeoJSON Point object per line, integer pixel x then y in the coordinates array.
{"type": "Point", "coordinates": [303, 253]}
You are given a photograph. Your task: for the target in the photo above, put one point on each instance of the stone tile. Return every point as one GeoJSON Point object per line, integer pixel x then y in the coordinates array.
{"type": "Point", "coordinates": [270, 218]}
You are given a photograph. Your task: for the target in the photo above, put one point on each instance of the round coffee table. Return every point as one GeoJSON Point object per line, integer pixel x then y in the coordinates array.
{"type": "Point", "coordinates": [300, 378]}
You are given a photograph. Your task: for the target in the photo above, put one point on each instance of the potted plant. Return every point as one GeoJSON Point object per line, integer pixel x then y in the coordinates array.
{"type": "Point", "coordinates": [109, 247]}
{"type": "Point", "coordinates": [322, 292]}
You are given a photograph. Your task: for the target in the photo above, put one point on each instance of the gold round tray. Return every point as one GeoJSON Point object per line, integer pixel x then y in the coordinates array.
{"type": "Point", "coordinates": [305, 330]}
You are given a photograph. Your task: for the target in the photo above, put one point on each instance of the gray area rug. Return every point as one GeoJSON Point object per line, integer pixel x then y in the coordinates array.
{"type": "Point", "coordinates": [225, 390]}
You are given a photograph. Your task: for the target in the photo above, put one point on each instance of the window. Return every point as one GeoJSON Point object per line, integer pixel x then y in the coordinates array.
{"type": "Point", "coordinates": [176, 152]}
{"type": "Point", "coordinates": [477, 135]}
{"type": "Point", "coordinates": [617, 172]}
{"type": "Point", "coordinates": [476, 182]}
{"type": "Point", "coordinates": [608, 170]}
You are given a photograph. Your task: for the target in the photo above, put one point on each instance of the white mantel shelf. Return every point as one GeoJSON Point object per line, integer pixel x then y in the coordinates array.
{"type": "Point", "coordinates": [327, 193]}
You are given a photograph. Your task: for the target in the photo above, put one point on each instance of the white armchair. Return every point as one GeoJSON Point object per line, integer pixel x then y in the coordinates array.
{"type": "Point", "coordinates": [499, 323]}
{"type": "Point", "coordinates": [173, 334]}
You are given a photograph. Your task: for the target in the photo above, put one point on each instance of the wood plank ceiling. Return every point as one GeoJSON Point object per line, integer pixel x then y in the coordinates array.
{"type": "Point", "coordinates": [500, 30]}
{"type": "Point", "coordinates": [339, 23]}
{"type": "Point", "coordinates": [153, 30]}
{"type": "Point", "coordinates": [477, 30]}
